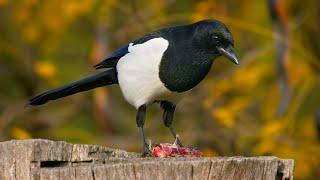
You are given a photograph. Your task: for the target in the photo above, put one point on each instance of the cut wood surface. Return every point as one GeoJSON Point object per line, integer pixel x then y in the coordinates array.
{"type": "Point", "coordinates": [46, 160]}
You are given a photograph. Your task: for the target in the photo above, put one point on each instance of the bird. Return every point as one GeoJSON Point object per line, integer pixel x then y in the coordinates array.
{"type": "Point", "coordinates": [157, 68]}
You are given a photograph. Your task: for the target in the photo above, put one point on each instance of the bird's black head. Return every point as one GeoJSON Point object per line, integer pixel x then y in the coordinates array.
{"type": "Point", "coordinates": [214, 37]}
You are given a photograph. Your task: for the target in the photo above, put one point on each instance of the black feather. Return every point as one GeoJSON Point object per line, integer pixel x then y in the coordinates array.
{"type": "Point", "coordinates": [101, 79]}
{"type": "Point", "coordinates": [113, 59]}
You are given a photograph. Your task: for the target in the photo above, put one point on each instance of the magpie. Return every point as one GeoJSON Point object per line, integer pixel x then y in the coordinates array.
{"type": "Point", "coordinates": [156, 68]}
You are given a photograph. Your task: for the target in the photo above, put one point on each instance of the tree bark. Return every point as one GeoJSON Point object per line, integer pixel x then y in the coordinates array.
{"type": "Point", "coordinates": [45, 159]}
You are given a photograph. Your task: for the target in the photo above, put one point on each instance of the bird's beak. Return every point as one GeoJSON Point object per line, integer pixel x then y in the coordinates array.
{"type": "Point", "coordinates": [229, 53]}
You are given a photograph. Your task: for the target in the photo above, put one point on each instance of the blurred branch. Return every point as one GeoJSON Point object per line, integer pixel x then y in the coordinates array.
{"type": "Point", "coordinates": [280, 28]}
{"type": "Point", "coordinates": [317, 119]}
{"type": "Point", "coordinates": [306, 54]}
{"type": "Point", "coordinates": [11, 110]}
{"type": "Point", "coordinates": [298, 100]}
{"type": "Point", "coordinates": [100, 96]}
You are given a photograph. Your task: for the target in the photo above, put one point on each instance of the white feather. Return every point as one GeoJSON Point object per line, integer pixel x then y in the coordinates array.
{"type": "Point", "coordinates": [138, 72]}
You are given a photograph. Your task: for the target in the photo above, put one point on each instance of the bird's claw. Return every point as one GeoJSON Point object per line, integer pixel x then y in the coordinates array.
{"type": "Point", "coordinates": [177, 141]}
{"type": "Point", "coordinates": [146, 150]}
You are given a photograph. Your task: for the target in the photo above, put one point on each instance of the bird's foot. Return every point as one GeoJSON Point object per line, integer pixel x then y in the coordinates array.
{"type": "Point", "coordinates": [177, 141]}
{"type": "Point", "coordinates": [146, 151]}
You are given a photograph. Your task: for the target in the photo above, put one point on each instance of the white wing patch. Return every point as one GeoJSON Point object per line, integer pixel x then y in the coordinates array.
{"type": "Point", "coordinates": [138, 72]}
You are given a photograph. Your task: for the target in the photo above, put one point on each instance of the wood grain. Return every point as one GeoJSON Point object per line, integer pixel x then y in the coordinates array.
{"type": "Point", "coordinates": [46, 160]}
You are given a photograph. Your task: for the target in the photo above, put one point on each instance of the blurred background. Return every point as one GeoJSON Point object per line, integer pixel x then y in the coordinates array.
{"type": "Point", "coordinates": [269, 105]}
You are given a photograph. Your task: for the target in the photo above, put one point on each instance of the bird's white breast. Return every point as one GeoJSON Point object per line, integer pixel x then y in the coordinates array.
{"type": "Point", "coordinates": [138, 72]}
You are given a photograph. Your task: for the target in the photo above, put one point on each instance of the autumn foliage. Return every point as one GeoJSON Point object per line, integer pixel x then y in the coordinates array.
{"type": "Point", "coordinates": [235, 111]}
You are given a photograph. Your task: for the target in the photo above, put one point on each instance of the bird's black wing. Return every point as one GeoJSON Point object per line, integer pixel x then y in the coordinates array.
{"type": "Point", "coordinates": [112, 60]}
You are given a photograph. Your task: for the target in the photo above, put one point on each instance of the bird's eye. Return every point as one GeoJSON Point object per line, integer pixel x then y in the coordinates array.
{"type": "Point", "coordinates": [216, 38]}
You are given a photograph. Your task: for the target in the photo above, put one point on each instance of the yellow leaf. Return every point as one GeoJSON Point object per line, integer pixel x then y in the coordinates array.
{"type": "Point", "coordinates": [19, 133]}
{"type": "Point", "coordinates": [272, 128]}
{"type": "Point", "coordinates": [224, 117]}
{"type": "Point", "coordinates": [45, 69]}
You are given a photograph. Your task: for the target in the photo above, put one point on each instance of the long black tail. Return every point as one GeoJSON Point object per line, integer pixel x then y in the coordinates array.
{"type": "Point", "coordinates": [101, 79]}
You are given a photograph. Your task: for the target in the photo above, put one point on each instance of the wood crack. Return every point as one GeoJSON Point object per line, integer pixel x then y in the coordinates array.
{"type": "Point", "coordinates": [50, 160]}
{"type": "Point", "coordinates": [209, 170]}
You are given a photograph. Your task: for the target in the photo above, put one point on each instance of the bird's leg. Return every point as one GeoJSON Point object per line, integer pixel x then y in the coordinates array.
{"type": "Point", "coordinates": [140, 123]}
{"type": "Point", "coordinates": [168, 111]}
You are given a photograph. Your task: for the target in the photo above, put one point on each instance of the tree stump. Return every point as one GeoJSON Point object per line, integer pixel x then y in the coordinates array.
{"type": "Point", "coordinates": [45, 159]}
